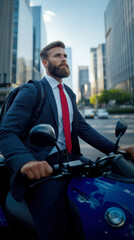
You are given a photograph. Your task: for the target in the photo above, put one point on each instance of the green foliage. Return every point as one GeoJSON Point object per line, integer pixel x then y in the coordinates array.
{"type": "Point", "coordinates": [120, 96]}
{"type": "Point", "coordinates": [104, 97]}
{"type": "Point", "coordinates": [120, 110]}
{"type": "Point", "coordinates": [93, 99]}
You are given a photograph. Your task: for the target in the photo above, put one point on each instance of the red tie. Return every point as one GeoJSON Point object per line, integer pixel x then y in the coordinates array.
{"type": "Point", "coordinates": [66, 119]}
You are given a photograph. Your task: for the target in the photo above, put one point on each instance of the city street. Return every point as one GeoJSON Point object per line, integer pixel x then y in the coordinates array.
{"type": "Point", "coordinates": [107, 128]}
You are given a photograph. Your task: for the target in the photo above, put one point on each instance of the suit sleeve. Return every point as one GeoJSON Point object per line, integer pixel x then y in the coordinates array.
{"type": "Point", "coordinates": [89, 134]}
{"type": "Point", "coordinates": [92, 137]}
{"type": "Point", "coordinates": [14, 125]}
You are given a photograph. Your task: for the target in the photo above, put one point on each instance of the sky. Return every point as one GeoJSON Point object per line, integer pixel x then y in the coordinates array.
{"type": "Point", "coordinates": [79, 24]}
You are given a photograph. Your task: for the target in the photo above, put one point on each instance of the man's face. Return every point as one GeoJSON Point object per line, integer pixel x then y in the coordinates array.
{"type": "Point", "coordinates": [57, 63]}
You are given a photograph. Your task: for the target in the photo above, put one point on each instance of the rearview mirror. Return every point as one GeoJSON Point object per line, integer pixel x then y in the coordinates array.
{"type": "Point", "coordinates": [42, 135]}
{"type": "Point", "coordinates": [121, 127]}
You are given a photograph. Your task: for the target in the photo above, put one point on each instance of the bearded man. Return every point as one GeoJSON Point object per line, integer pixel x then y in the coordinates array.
{"type": "Point", "coordinates": [47, 201]}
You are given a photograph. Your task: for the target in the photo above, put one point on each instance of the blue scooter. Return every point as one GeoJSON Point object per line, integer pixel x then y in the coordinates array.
{"type": "Point", "coordinates": [100, 193]}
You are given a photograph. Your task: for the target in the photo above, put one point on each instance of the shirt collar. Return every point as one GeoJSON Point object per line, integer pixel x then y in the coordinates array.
{"type": "Point", "coordinates": [52, 81]}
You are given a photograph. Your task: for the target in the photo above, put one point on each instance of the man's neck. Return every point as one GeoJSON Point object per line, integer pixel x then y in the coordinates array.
{"type": "Point", "coordinates": [56, 78]}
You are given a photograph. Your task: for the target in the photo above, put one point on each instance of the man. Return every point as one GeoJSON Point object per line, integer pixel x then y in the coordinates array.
{"type": "Point", "coordinates": [47, 201]}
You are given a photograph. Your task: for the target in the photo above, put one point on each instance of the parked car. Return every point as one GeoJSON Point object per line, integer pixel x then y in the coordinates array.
{"type": "Point", "coordinates": [88, 113]}
{"type": "Point", "coordinates": [102, 113]}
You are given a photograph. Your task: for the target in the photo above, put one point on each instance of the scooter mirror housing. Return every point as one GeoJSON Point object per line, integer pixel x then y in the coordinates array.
{"type": "Point", "coordinates": [121, 127]}
{"type": "Point", "coordinates": [42, 135]}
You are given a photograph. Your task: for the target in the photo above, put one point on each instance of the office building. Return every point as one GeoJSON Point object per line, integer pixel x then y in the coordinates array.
{"type": "Point", "coordinates": [39, 41]}
{"type": "Point", "coordinates": [98, 69]}
{"type": "Point", "coordinates": [101, 68]}
{"type": "Point", "coordinates": [119, 29]}
{"type": "Point", "coordinates": [16, 44]}
{"type": "Point", "coordinates": [93, 71]}
{"type": "Point", "coordinates": [23, 35]}
{"type": "Point", "coordinates": [6, 41]}
{"type": "Point", "coordinates": [84, 85]}
{"type": "Point", "coordinates": [22, 42]}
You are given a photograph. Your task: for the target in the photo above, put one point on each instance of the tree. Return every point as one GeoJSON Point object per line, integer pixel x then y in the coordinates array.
{"type": "Point", "coordinates": [104, 97]}
{"type": "Point", "coordinates": [93, 99]}
{"type": "Point", "coordinates": [120, 96]}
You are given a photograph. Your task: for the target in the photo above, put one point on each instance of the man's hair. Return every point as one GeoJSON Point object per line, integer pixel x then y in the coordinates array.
{"type": "Point", "coordinates": [45, 51]}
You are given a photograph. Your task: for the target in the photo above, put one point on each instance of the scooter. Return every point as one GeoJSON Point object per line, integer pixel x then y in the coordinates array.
{"type": "Point", "coordinates": [100, 193]}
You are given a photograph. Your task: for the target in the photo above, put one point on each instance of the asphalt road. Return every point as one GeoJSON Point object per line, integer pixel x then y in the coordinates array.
{"type": "Point", "coordinates": [107, 128]}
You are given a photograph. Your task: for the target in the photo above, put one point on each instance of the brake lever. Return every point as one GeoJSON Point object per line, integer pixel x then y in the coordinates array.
{"type": "Point", "coordinates": [57, 173]}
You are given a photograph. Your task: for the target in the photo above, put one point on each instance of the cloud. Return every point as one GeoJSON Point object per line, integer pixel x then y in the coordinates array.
{"type": "Point", "coordinates": [48, 15]}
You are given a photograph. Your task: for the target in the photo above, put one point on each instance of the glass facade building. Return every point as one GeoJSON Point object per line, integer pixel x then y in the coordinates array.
{"type": "Point", "coordinates": [119, 29]}
{"type": "Point", "coordinates": [22, 42]}
{"type": "Point", "coordinates": [6, 32]}
{"type": "Point", "coordinates": [101, 68]}
{"type": "Point", "coordinates": [84, 84]}
{"type": "Point", "coordinates": [18, 23]}
{"type": "Point", "coordinates": [39, 41]}
{"type": "Point", "coordinates": [93, 71]}
{"type": "Point", "coordinates": [22, 36]}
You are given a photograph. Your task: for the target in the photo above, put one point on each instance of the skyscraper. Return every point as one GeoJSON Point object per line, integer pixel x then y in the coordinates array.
{"type": "Point", "coordinates": [84, 85]}
{"type": "Point", "coordinates": [6, 40]}
{"type": "Point", "coordinates": [93, 71]}
{"type": "Point", "coordinates": [15, 44]}
{"type": "Point", "coordinates": [22, 42]}
{"type": "Point", "coordinates": [39, 41]}
{"type": "Point", "coordinates": [119, 29]}
{"type": "Point", "coordinates": [101, 68]}
{"type": "Point", "coordinates": [23, 35]}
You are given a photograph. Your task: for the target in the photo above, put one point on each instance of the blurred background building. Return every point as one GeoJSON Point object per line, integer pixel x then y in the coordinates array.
{"type": "Point", "coordinates": [119, 29]}
{"type": "Point", "coordinates": [84, 84]}
{"type": "Point", "coordinates": [6, 42]}
{"type": "Point", "coordinates": [98, 69]}
{"type": "Point", "coordinates": [22, 35]}
{"type": "Point", "coordinates": [101, 68]}
{"type": "Point", "coordinates": [93, 71]}
{"type": "Point", "coordinates": [39, 41]}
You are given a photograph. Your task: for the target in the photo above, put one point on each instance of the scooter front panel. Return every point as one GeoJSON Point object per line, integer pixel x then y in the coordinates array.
{"type": "Point", "coordinates": [91, 199]}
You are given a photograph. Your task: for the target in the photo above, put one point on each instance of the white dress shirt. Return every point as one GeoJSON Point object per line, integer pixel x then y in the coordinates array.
{"type": "Point", "coordinates": [61, 138]}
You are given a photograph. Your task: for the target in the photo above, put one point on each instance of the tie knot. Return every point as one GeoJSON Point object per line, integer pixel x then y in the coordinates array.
{"type": "Point", "coordinates": [60, 86]}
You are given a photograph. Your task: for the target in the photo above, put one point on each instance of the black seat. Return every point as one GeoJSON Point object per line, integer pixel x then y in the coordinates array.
{"type": "Point", "coordinates": [19, 211]}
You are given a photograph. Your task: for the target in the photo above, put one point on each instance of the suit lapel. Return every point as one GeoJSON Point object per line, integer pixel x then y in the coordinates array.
{"type": "Point", "coordinates": [71, 97]}
{"type": "Point", "coordinates": [51, 99]}
{"type": "Point", "coordinates": [75, 112]}
{"type": "Point", "coordinates": [54, 106]}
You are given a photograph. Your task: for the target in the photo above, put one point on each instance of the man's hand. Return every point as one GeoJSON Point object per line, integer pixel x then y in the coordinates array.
{"type": "Point", "coordinates": [36, 169]}
{"type": "Point", "coordinates": [129, 150]}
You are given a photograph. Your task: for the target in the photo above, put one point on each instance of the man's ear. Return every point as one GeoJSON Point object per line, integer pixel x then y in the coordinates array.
{"type": "Point", "coordinates": [45, 62]}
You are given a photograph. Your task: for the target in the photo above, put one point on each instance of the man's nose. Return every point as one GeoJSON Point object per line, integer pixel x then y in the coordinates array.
{"type": "Point", "coordinates": [64, 58]}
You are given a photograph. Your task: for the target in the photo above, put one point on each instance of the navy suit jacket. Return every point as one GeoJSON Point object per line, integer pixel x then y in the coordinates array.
{"type": "Point", "coordinates": [17, 153]}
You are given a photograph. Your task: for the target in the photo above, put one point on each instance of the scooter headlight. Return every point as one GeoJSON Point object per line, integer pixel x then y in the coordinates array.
{"type": "Point", "coordinates": [115, 217]}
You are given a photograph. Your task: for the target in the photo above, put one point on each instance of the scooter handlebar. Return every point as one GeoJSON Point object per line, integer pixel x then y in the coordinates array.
{"type": "Point", "coordinates": [59, 171]}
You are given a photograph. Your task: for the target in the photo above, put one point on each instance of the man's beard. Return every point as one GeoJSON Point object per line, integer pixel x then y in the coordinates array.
{"type": "Point", "coordinates": [59, 72]}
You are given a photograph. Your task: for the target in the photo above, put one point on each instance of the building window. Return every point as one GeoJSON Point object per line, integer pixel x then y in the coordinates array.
{"type": "Point", "coordinates": [4, 77]}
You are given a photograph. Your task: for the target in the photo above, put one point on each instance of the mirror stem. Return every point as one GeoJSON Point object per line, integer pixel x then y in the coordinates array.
{"type": "Point", "coordinates": [116, 144]}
